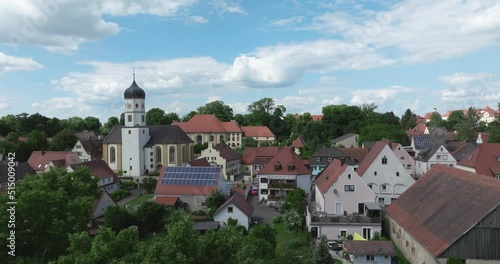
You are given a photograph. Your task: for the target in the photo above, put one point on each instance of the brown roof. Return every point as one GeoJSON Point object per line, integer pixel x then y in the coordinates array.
{"type": "Point", "coordinates": [447, 114]}
{"type": "Point", "coordinates": [443, 205]}
{"type": "Point", "coordinates": [285, 157]}
{"type": "Point", "coordinates": [330, 175]}
{"type": "Point", "coordinates": [39, 159]}
{"type": "Point", "coordinates": [202, 162]}
{"type": "Point", "coordinates": [317, 117]}
{"type": "Point", "coordinates": [429, 114]}
{"type": "Point", "coordinates": [93, 147]}
{"type": "Point", "coordinates": [204, 123]}
{"type": "Point", "coordinates": [358, 154]}
{"type": "Point", "coordinates": [372, 155]}
{"type": "Point", "coordinates": [485, 159]}
{"type": "Point", "coordinates": [257, 131]}
{"type": "Point", "coordinates": [239, 201]}
{"type": "Point", "coordinates": [99, 169]}
{"type": "Point", "coordinates": [231, 127]}
{"type": "Point", "coordinates": [253, 154]}
{"type": "Point", "coordinates": [160, 134]}
{"type": "Point", "coordinates": [166, 200]}
{"type": "Point", "coordinates": [420, 128]}
{"type": "Point", "coordinates": [227, 153]}
{"type": "Point", "coordinates": [299, 142]}
{"type": "Point", "coordinates": [174, 190]}
{"type": "Point", "coordinates": [370, 247]}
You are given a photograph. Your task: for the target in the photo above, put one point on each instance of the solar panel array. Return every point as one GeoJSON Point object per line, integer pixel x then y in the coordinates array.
{"type": "Point", "coordinates": [421, 142]}
{"type": "Point", "coordinates": [190, 176]}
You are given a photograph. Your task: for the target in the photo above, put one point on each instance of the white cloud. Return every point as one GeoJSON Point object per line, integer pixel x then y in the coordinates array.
{"type": "Point", "coordinates": [197, 20]}
{"type": "Point", "coordinates": [10, 64]}
{"type": "Point", "coordinates": [379, 96]}
{"type": "Point", "coordinates": [177, 107]}
{"type": "Point", "coordinates": [470, 89]}
{"type": "Point", "coordinates": [3, 104]}
{"type": "Point", "coordinates": [285, 22]}
{"type": "Point", "coordinates": [333, 101]}
{"type": "Point", "coordinates": [153, 7]}
{"type": "Point", "coordinates": [62, 106]}
{"type": "Point", "coordinates": [227, 6]}
{"type": "Point", "coordinates": [213, 98]}
{"type": "Point", "coordinates": [239, 108]}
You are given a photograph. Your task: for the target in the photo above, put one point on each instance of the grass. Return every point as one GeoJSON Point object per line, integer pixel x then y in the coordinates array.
{"type": "Point", "coordinates": [140, 199]}
{"type": "Point", "coordinates": [400, 257]}
{"type": "Point", "coordinates": [285, 236]}
{"type": "Point", "coordinates": [337, 261]}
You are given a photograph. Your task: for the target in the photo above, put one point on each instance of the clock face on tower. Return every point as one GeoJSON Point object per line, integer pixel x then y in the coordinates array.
{"type": "Point", "coordinates": [129, 105]}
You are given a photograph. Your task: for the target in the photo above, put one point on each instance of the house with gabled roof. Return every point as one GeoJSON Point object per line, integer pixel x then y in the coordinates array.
{"type": "Point", "coordinates": [201, 162]}
{"type": "Point", "coordinates": [191, 185]}
{"type": "Point", "coordinates": [459, 149]}
{"type": "Point", "coordinates": [321, 158]}
{"type": "Point", "coordinates": [298, 144]}
{"type": "Point", "coordinates": [343, 204]}
{"type": "Point", "coordinates": [42, 161]}
{"type": "Point", "coordinates": [485, 159]}
{"type": "Point", "coordinates": [88, 149]}
{"type": "Point", "coordinates": [349, 140]}
{"type": "Point", "coordinates": [283, 173]}
{"type": "Point", "coordinates": [369, 251]}
{"type": "Point", "coordinates": [225, 157]}
{"type": "Point", "coordinates": [107, 178]}
{"type": "Point", "coordinates": [236, 208]}
{"type": "Point", "coordinates": [448, 212]}
{"type": "Point", "coordinates": [259, 133]}
{"type": "Point", "coordinates": [434, 153]}
{"type": "Point", "coordinates": [384, 173]}
{"type": "Point", "coordinates": [99, 209]}
{"type": "Point", "coordinates": [256, 158]}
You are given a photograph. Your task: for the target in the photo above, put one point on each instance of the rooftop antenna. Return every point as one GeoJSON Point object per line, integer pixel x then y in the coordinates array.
{"type": "Point", "coordinates": [133, 70]}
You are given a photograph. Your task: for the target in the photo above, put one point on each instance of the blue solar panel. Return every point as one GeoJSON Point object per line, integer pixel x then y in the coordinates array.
{"type": "Point", "coordinates": [190, 176]}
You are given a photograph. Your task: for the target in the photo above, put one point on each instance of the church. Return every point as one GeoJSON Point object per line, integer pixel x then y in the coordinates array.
{"type": "Point", "coordinates": [136, 149]}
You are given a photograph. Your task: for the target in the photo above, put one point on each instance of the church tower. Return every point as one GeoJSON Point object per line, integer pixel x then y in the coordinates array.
{"type": "Point", "coordinates": [135, 109]}
{"type": "Point", "coordinates": [135, 134]}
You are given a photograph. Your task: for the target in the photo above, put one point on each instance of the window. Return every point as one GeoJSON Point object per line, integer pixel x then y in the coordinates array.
{"type": "Point", "coordinates": [393, 230]}
{"type": "Point", "coordinates": [393, 199]}
{"type": "Point", "coordinates": [129, 118]}
{"type": "Point", "coordinates": [230, 209]}
{"type": "Point", "coordinates": [78, 146]}
{"type": "Point", "coordinates": [397, 173]}
{"type": "Point", "coordinates": [112, 155]}
{"type": "Point", "coordinates": [438, 157]}
{"type": "Point", "coordinates": [291, 167]}
{"type": "Point", "coordinates": [211, 138]}
{"type": "Point", "coordinates": [329, 159]}
{"type": "Point", "coordinates": [381, 200]}
{"type": "Point", "coordinates": [343, 233]}
{"type": "Point", "coordinates": [263, 180]}
{"type": "Point", "coordinates": [384, 187]}
{"type": "Point", "coordinates": [136, 105]}
{"type": "Point", "coordinates": [257, 167]}
{"type": "Point", "coordinates": [142, 118]}
{"type": "Point", "coordinates": [375, 173]}
{"type": "Point", "coordinates": [451, 165]}
{"type": "Point", "coordinates": [221, 138]}
{"type": "Point", "coordinates": [349, 176]}
{"type": "Point", "coordinates": [497, 176]}
{"type": "Point", "coordinates": [158, 154]}
{"type": "Point", "coordinates": [130, 132]}
{"type": "Point", "coordinates": [318, 159]}
{"type": "Point", "coordinates": [277, 167]}
{"type": "Point", "coordinates": [370, 257]}
{"type": "Point", "coordinates": [143, 131]}
{"type": "Point", "coordinates": [498, 159]}
{"type": "Point", "coordinates": [370, 185]}
{"type": "Point", "coordinates": [131, 168]}
{"type": "Point", "coordinates": [408, 166]}
{"type": "Point", "coordinates": [407, 243]}
{"type": "Point", "coordinates": [263, 191]}
{"type": "Point", "coordinates": [384, 160]}
{"type": "Point", "coordinates": [349, 188]}
{"type": "Point", "coordinates": [171, 154]}
{"type": "Point", "coordinates": [413, 251]}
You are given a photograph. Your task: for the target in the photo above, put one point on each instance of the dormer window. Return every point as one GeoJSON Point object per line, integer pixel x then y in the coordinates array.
{"type": "Point", "coordinates": [330, 159]}
{"type": "Point", "coordinates": [291, 167]}
{"type": "Point", "coordinates": [498, 159]}
{"type": "Point", "coordinates": [318, 159]}
{"type": "Point", "coordinates": [277, 167]}
{"type": "Point", "coordinates": [384, 160]}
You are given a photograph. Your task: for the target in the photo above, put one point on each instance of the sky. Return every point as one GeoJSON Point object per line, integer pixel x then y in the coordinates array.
{"type": "Point", "coordinates": [64, 58]}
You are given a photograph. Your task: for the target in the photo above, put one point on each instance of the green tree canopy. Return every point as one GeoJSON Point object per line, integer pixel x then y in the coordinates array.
{"type": "Point", "coordinates": [64, 140]}
{"type": "Point", "coordinates": [118, 218]}
{"type": "Point", "coordinates": [222, 111]}
{"type": "Point", "coordinates": [156, 116]}
{"type": "Point", "coordinates": [322, 255]}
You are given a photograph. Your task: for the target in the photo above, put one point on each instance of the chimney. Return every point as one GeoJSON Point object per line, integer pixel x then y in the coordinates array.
{"type": "Point", "coordinates": [43, 152]}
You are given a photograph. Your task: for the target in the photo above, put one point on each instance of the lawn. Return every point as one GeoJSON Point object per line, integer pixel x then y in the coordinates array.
{"type": "Point", "coordinates": [140, 199]}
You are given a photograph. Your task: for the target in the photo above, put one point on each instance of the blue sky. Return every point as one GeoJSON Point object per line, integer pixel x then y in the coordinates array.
{"type": "Point", "coordinates": [68, 58]}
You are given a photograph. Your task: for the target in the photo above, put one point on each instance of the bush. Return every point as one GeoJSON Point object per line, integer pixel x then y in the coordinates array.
{"type": "Point", "coordinates": [277, 220]}
{"type": "Point", "coordinates": [128, 185]}
{"type": "Point", "coordinates": [454, 260]}
{"type": "Point", "coordinates": [120, 194]}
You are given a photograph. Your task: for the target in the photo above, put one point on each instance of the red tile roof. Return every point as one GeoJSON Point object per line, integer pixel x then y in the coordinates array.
{"type": "Point", "coordinates": [358, 154]}
{"type": "Point", "coordinates": [204, 124]}
{"type": "Point", "coordinates": [370, 247]}
{"type": "Point", "coordinates": [317, 117]}
{"type": "Point", "coordinates": [167, 200]}
{"type": "Point", "coordinates": [39, 159]}
{"type": "Point", "coordinates": [99, 169]}
{"type": "Point", "coordinates": [485, 159]}
{"type": "Point", "coordinates": [285, 157]}
{"type": "Point", "coordinates": [257, 131]}
{"type": "Point", "coordinates": [203, 162]}
{"type": "Point", "coordinates": [174, 190]}
{"type": "Point", "coordinates": [443, 205]}
{"type": "Point", "coordinates": [239, 201]}
{"type": "Point", "coordinates": [372, 155]}
{"type": "Point", "coordinates": [231, 127]}
{"type": "Point", "coordinates": [330, 175]}
{"type": "Point", "coordinates": [254, 154]}
{"type": "Point", "coordinates": [298, 142]}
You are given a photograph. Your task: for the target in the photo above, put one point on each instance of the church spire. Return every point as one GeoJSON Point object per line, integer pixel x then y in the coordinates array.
{"type": "Point", "coordinates": [133, 70]}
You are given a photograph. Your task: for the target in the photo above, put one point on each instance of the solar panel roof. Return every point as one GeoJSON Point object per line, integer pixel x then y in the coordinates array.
{"type": "Point", "coordinates": [421, 142]}
{"type": "Point", "coordinates": [190, 176]}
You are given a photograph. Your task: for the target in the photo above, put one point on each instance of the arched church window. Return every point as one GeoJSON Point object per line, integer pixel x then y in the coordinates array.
{"type": "Point", "coordinates": [171, 155]}
{"type": "Point", "coordinates": [112, 155]}
{"type": "Point", "coordinates": [212, 138]}
{"type": "Point", "coordinates": [158, 154]}
{"type": "Point", "coordinates": [198, 139]}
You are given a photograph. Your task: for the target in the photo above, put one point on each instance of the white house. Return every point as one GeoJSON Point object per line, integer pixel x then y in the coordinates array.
{"type": "Point", "coordinates": [344, 204]}
{"type": "Point", "coordinates": [236, 208]}
{"type": "Point", "coordinates": [436, 153]}
{"type": "Point", "coordinates": [405, 158]}
{"type": "Point", "coordinates": [370, 251]}
{"type": "Point", "coordinates": [383, 172]}
{"type": "Point", "coordinates": [88, 149]}
{"type": "Point", "coordinates": [224, 157]}
{"type": "Point", "coordinates": [283, 173]}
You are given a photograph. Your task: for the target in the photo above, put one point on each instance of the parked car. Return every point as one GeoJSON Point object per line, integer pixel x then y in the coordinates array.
{"type": "Point", "coordinates": [255, 190]}
{"type": "Point", "coordinates": [333, 245]}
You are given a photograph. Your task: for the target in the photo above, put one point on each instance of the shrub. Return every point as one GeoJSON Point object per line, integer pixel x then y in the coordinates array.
{"type": "Point", "coordinates": [277, 220]}
{"type": "Point", "coordinates": [128, 185]}
{"type": "Point", "coordinates": [120, 194]}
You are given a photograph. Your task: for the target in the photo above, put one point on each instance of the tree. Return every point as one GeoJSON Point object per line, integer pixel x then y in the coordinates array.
{"type": "Point", "coordinates": [494, 135]}
{"type": "Point", "coordinates": [92, 123]}
{"type": "Point", "coordinates": [52, 205]}
{"type": "Point", "coordinates": [118, 218]}
{"type": "Point", "coordinates": [216, 199]}
{"type": "Point", "coordinates": [465, 133]}
{"type": "Point", "coordinates": [188, 116]}
{"type": "Point", "coordinates": [322, 255]}
{"type": "Point", "coordinates": [223, 112]}
{"type": "Point", "coordinates": [249, 142]}
{"type": "Point", "coordinates": [64, 140]}
{"type": "Point", "coordinates": [472, 117]}
{"type": "Point", "coordinates": [149, 184]}
{"type": "Point", "coordinates": [240, 119]}
{"type": "Point", "coordinates": [156, 116]}
{"type": "Point", "coordinates": [379, 131]}
{"type": "Point", "coordinates": [260, 112]}
{"type": "Point", "coordinates": [292, 220]}
{"type": "Point", "coordinates": [108, 126]}
{"type": "Point", "coordinates": [37, 140]}
{"type": "Point", "coordinates": [220, 246]}
{"type": "Point", "coordinates": [74, 123]}
{"type": "Point", "coordinates": [436, 120]}
{"type": "Point", "coordinates": [265, 232]}
{"type": "Point", "coordinates": [198, 147]}
{"type": "Point", "coordinates": [296, 199]}
{"type": "Point", "coordinates": [456, 117]}
{"type": "Point", "coordinates": [151, 215]}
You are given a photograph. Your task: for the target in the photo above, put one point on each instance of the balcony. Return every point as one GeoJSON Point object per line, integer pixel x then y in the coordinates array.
{"type": "Point", "coordinates": [290, 186]}
{"type": "Point", "coordinates": [348, 219]}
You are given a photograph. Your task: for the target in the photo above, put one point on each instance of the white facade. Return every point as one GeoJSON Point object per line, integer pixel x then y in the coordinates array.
{"type": "Point", "coordinates": [405, 159]}
{"type": "Point", "coordinates": [133, 156]}
{"type": "Point", "coordinates": [441, 156]}
{"type": "Point", "coordinates": [340, 198]}
{"type": "Point", "coordinates": [294, 181]}
{"type": "Point", "coordinates": [80, 151]}
{"type": "Point", "coordinates": [231, 211]}
{"type": "Point", "coordinates": [135, 112]}
{"type": "Point", "coordinates": [370, 259]}
{"type": "Point", "coordinates": [229, 168]}
{"type": "Point", "coordinates": [387, 177]}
